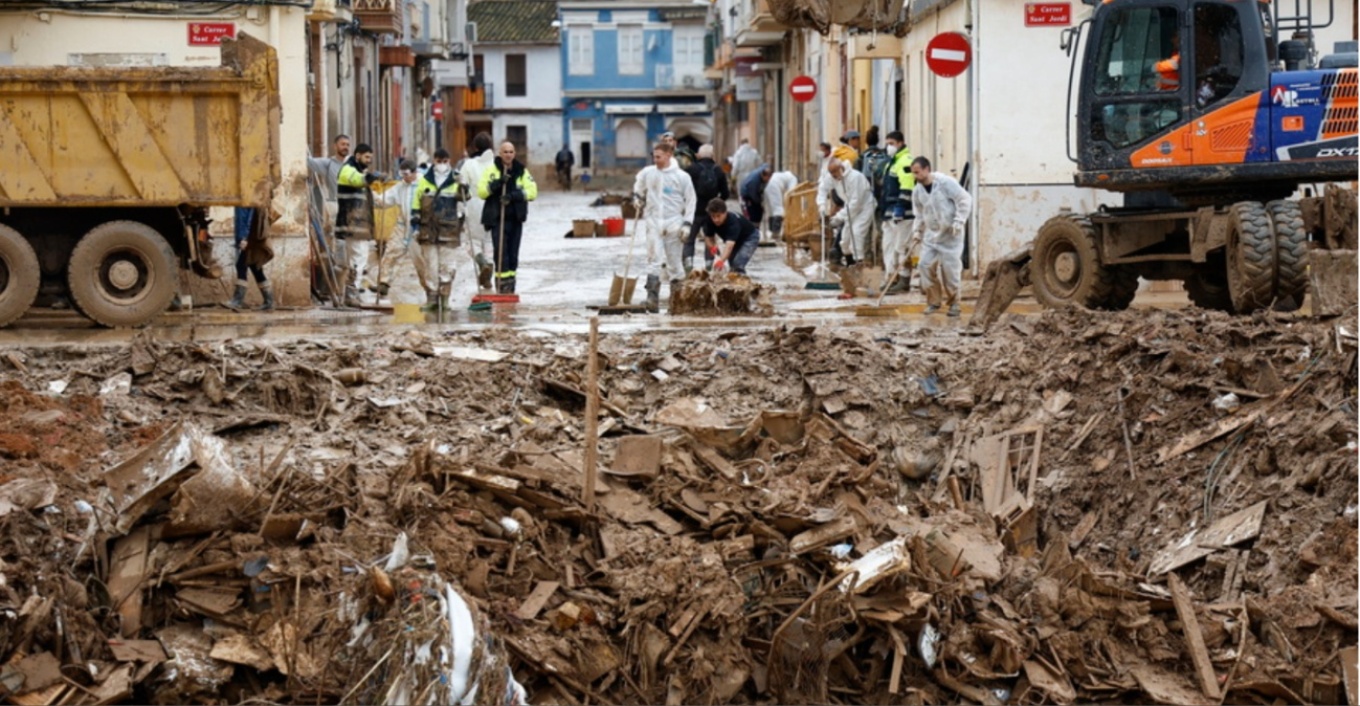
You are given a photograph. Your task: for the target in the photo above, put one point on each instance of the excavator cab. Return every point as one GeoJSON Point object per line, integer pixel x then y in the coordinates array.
{"type": "Point", "coordinates": [1179, 96]}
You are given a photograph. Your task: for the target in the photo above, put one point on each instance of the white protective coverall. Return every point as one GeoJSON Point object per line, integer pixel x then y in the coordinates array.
{"type": "Point", "coordinates": [477, 237]}
{"type": "Point", "coordinates": [942, 211]}
{"type": "Point", "coordinates": [670, 198]}
{"type": "Point", "coordinates": [857, 193]}
{"type": "Point", "coordinates": [780, 183]}
{"type": "Point", "coordinates": [401, 257]}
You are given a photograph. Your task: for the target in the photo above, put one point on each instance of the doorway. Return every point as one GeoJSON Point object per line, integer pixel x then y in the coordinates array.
{"type": "Point", "coordinates": [582, 139]}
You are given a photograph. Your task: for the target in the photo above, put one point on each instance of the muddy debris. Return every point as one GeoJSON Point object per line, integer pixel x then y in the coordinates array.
{"type": "Point", "coordinates": [1054, 513]}
{"type": "Point", "coordinates": [705, 294]}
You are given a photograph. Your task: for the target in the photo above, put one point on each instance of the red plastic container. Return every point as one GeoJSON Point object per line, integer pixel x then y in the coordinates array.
{"type": "Point", "coordinates": [613, 227]}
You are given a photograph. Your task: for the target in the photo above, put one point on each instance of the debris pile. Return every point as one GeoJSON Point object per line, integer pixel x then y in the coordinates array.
{"type": "Point", "coordinates": [1073, 509]}
{"type": "Point", "coordinates": [702, 294]}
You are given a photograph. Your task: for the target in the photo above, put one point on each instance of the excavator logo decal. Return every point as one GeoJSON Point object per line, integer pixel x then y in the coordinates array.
{"type": "Point", "coordinates": [1284, 97]}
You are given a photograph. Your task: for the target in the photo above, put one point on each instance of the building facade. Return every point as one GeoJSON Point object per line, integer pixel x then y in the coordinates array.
{"type": "Point", "coordinates": [515, 91]}
{"type": "Point", "coordinates": [631, 71]}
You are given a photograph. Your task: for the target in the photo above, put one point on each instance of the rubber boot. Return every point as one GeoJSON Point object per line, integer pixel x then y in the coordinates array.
{"type": "Point", "coordinates": [352, 297]}
{"type": "Point", "coordinates": [653, 293]}
{"type": "Point", "coordinates": [954, 311]}
{"type": "Point", "coordinates": [267, 291]}
{"type": "Point", "coordinates": [483, 271]}
{"type": "Point", "coordinates": [431, 300]}
{"type": "Point", "coordinates": [238, 298]}
{"type": "Point", "coordinates": [836, 255]}
{"type": "Point", "coordinates": [899, 285]}
{"type": "Point", "coordinates": [676, 284]}
{"type": "Point", "coordinates": [505, 285]}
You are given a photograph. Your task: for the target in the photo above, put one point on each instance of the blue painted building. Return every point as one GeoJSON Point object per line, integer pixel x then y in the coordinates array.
{"type": "Point", "coordinates": [631, 71]}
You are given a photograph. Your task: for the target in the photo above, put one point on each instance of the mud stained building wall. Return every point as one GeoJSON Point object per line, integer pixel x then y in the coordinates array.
{"type": "Point", "coordinates": [62, 38]}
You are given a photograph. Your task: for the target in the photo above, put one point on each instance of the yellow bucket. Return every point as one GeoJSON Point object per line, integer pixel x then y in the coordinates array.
{"type": "Point", "coordinates": [384, 217]}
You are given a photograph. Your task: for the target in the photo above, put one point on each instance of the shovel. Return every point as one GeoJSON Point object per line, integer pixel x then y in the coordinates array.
{"type": "Point", "coordinates": [621, 289]}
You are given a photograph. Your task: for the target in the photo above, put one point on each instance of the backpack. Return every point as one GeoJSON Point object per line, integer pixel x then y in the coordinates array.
{"type": "Point", "coordinates": [874, 165]}
{"type": "Point", "coordinates": [706, 180]}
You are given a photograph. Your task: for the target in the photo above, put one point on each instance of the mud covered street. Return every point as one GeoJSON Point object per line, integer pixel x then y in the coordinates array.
{"type": "Point", "coordinates": [1150, 506]}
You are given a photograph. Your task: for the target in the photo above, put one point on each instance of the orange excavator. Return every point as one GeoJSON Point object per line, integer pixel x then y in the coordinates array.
{"type": "Point", "coordinates": [1209, 123]}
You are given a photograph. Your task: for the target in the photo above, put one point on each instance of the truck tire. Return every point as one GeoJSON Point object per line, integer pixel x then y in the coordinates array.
{"type": "Point", "coordinates": [1066, 269]}
{"type": "Point", "coordinates": [20, 275]}
{"type": "Point", "coordinates": [1251, 257]}
{"type": "Point", "coordinates": [1209, 291]}
{"type": "Point", "coordinates": [1291, 254]}
{"type": "Point", "coordinates": [122, 274]}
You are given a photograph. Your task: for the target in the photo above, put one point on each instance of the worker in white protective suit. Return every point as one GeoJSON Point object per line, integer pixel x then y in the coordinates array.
{"type": "Point", "coordinates": [942, 208]}
{"type": "Point", "coordinates": [478, 238]}
{"type": "Point", "coordinates": [665, 194]}
{"type": "Point", "coordinates": [846, 198]}
{"type": "Point", "coordinates": [780, 184]}
{"type": "Point", "coordinates": [399, 275]}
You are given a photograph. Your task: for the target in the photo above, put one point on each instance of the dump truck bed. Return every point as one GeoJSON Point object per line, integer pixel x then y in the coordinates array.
{"type": "Point", "coordinates": [154, 136]}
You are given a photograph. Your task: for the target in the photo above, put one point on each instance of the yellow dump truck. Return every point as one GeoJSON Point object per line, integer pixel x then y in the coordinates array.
{"type": "Point", "coordinates": [109, 173]}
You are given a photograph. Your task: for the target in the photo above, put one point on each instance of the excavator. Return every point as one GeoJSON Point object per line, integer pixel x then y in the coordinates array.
{"type": "Point", "coordinates": [1209, 124]}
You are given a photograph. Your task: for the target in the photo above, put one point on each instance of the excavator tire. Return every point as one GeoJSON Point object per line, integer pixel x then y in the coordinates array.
{"type": "Point", "coordinates": [1066, 268]}
{"type": "Point", "coordinates": [1208, 289]}
{"type": "Point", "coordinates": [1291, 254]}
{"type": "Point", "coordinates": [1251, 257]}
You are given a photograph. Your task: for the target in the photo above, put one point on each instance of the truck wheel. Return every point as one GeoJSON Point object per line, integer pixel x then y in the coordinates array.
{"type": "Point", "coordinates": [20, 275]}
{"type": "Point", "coordinates": [1251, 257]}
{"type": "Point", "coordinates": [122, 274]}
{"type": "Point", "coordinates": [1209, 291]}
{"type": "Point", "coordinates": [1291, 254]}
{"type": "Point", "coordinates": [1066, 268]}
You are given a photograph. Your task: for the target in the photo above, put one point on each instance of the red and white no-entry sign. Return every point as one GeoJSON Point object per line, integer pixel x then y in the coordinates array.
{"type": "Point", "coordinates": [803, 89]}
{"type": "Point", "coordinates": [949, 54]}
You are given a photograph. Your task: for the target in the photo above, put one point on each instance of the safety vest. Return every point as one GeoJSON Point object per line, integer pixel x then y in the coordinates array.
{"type": "Point", "coordinates": [350, 186]}
{"type": "Point", "coordinates": [1168, 73]}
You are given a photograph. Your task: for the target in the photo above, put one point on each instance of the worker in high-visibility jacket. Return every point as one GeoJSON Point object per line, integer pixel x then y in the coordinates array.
{"type": "Point", "coordinates": [897, 188]}
{"type": "Point", "coordinates": [508, 188]}
{"type": "Point", "coordinates": [353, 221]}
{"type": "Point", "coordinates": [399, 274]}
{"type": "Point", "coordinates": [441, 232]}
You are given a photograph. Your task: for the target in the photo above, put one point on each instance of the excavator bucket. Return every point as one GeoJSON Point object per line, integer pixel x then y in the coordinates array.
{"type": "Point", "coordinates": [1002, 282]}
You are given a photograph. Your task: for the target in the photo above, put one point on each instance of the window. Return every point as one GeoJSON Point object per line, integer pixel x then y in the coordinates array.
{"type": "Point", "coordinates": [631, 138]}
{"type": "Point", "coordinates": [515, 75]}
{"type": "Point", "coordinates": [518, 135]}
{"type": "Point", "coordinates": [630, 50]}
{"type": "Point", "coordinates": [1137, 73]}
{"type": "Point", "coordinates": [688, 52]}
{"type": "Point", "coordinates": [1218, 53]}
{"type": "Point", "coordinates": [581, 50]}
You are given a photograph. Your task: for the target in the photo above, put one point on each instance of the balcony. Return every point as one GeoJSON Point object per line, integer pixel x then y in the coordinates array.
{"type": "Point", "coordinates": [684, 78]}
{"type": "Point", "coordinates": [337, 11]}
{"type": "Point", "coordinates": [398, 55]}
{"type": "Point", "coordinates": [760, 28]}
{"type": "Point", "coordinates": [479, 98]}
{"type": "Point", "coordinates": [379, 16]}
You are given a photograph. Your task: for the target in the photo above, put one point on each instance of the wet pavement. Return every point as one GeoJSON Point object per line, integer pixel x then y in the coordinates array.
{"type": "Point", "coordinates": [559, 280]}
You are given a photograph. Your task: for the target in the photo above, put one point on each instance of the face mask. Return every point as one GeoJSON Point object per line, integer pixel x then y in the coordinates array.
{"type": "Point", "coordinates": [892, 150]}
{"type": "Point", "coordinates": [442, 169]}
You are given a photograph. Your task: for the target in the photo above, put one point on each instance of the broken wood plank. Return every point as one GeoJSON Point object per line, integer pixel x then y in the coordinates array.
{"type": "Point", "coordinates": [533, 604]}
{"type": "Point", "coordinates": [1084, 527]}
{"type": "Point", "coordinates": [714, 460]}
{"type": "Point", "coordinates": [1349, 657]}
{"type": "Point", "coordinates": [592, 441]}
{"type": "Point", "coordinates": [127, 574]}
{"type": "Point", "coordinates": [149, 651]}
{"type": "Point", "coordinates": [899, 660]}
{"type": "Point", "coordinates": [1194, 638]}
{"type": "Point", "coordinates": [823, 535]}
{"type": "Point", "coordinates": [1225, 532]}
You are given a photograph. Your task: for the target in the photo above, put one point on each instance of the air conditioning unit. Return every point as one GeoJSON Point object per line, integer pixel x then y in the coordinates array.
{"type": "Point", "coordinates": [689, 81]}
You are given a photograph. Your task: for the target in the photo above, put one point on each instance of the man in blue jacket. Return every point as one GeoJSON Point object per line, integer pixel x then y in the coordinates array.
{"type": "Point", "coordinates": [753, 193]}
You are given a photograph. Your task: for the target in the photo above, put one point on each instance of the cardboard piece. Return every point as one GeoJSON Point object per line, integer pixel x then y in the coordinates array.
{"type": "Point", "coordinates": [149, 651]}
{"type": "Point", "coordinates": [1225, 532]}
{"type": "Point", "coordinates": [638, 456]}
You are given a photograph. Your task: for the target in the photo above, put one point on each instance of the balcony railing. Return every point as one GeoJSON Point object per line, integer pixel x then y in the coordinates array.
{"type": "Point", "coordinates": [684, 78]}
{"type": "Point", "coordinates": [379, 16]}
{"type": "Point", "coordinates": [479, 98]}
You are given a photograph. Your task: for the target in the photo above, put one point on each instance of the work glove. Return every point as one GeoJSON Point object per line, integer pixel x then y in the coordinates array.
{"type": "Point", "coordinates": [687, 226]}
{"type": "Point", "coordinates": [373, 177]}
